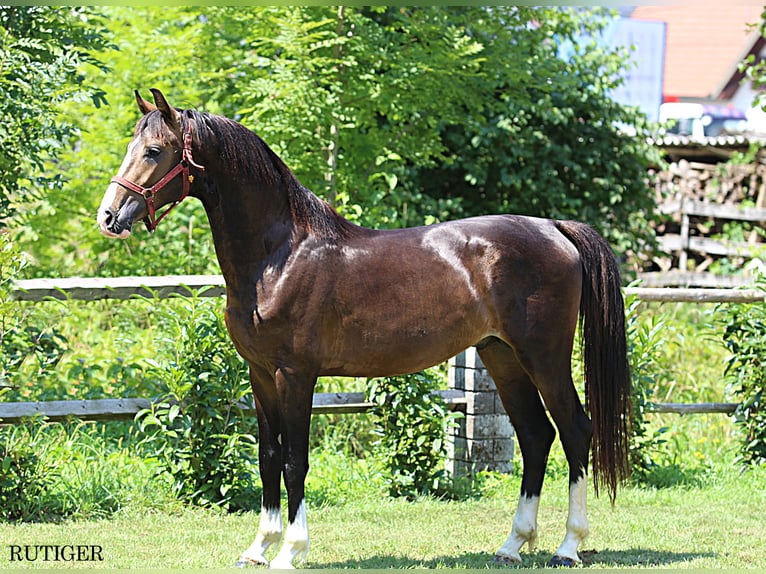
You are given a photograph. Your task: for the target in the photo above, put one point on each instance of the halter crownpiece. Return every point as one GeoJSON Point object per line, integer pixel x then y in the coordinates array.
{"type": "Point", "coordinates": [148, 193]}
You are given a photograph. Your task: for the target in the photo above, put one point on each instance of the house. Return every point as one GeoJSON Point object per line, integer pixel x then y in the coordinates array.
{"type": "Point", "coordinates": [705, 43]}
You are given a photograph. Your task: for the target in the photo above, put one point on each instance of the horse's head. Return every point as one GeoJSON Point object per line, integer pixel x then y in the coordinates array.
{"type": "Point", "coordinates": [147, 179]}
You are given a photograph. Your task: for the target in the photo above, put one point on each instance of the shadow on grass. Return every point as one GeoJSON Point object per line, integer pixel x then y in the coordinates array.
{"type": "Point", "coordinates": [479, 560]}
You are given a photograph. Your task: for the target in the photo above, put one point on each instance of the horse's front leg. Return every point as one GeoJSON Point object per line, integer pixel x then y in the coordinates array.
{"type": "Point", "coordinates": [295, 399]}
{"type": "Point", "coordinates": [270, 462]}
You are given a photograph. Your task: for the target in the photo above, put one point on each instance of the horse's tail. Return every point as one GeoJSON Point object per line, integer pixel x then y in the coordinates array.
{"type": "Point", "coordinates": [607, 371]}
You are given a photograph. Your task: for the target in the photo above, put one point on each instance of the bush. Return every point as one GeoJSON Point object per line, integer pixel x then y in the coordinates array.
{"type": "Point", "coordinates": [27, 474]}
{"type": "Point", "coordinates": [198, 432]}
{"type": "Point", "coordinates": [50, 471]}
{"type": "Point", "coordinates": [411, 426]}
{"type": "Point", "coordinates": [645, 340]}
{"type": "Point", "coordinates": [745, 374]}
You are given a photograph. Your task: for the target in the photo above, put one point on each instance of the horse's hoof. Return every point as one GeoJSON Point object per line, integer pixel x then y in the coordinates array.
{"type": "Point", "coordinates": [504, 560]}
{"type": "Point", "coordinates": [248, 562]}
{"type": "Point", "coordinates": [562, 562]}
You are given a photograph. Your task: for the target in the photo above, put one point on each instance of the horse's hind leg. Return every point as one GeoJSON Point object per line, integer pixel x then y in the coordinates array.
{"type": "Point", "coordinates": [535, 435]}
{"type": "Point", "coordinates": [552, 375]}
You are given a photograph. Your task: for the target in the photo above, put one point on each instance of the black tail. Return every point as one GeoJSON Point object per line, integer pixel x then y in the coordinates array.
{"type": "Point", "coordinates": [605, 355]}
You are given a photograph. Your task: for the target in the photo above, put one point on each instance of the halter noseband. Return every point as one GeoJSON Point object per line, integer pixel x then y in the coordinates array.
{"type": "Point", "coordinates": [148, 193]}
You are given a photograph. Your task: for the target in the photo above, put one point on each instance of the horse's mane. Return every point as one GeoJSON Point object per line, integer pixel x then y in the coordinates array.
{"type": "Point", "coordinates": [248, 158]}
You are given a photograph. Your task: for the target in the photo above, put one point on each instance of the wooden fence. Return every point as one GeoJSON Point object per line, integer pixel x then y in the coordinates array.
{"type": "Point", "coordinates": [484, 439]}
{"type": "Point", "coordinates": [687, 247]}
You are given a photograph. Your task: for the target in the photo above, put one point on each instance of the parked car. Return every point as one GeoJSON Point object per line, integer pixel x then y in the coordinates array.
{"type": "Point", "coordinates": [700, 120]}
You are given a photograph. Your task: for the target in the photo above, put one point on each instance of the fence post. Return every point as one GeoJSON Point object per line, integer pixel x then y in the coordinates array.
{"type": "Point", "coordinates": [483, 440]}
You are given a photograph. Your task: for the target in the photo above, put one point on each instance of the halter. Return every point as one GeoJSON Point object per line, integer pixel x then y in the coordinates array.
{"type": "Point", "coordinates": [148, 193]}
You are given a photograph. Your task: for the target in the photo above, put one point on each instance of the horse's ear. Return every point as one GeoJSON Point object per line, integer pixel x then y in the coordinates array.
{"type": "Point", "coordinates": [170, 114]}
{"type": "Point", "coordinates": [143, 105]}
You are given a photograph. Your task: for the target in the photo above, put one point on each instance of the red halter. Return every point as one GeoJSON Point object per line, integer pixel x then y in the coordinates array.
{"type": "Point", "coordinates": [148, 193]}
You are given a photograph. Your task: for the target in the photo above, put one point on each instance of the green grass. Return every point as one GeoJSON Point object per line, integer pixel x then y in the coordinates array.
{"type": "Point", "coordinates": [712, 521]}
{"type": "Point", "coordinates": [698, 512]}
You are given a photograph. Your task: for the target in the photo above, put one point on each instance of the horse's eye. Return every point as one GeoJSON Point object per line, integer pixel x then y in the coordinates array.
{"type": "Point", "coordinates": [153, 151]}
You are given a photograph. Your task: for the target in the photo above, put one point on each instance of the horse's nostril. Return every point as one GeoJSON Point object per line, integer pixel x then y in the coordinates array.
{"type": "Point", "coordinates": [108, 216]}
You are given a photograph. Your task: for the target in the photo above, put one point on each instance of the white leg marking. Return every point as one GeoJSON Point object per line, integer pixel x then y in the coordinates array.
{"type": "Point", "coordinates": [269, 532]}
{"type": "Point", "coordinates": [295, 543]}
{"type": "Point", "coordinates": [577, 521]}
{"type": "Point", "coordinates": [524, 529]}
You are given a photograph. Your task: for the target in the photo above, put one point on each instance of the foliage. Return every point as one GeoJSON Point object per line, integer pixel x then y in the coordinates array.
{"type": "Point", "coordinates": [33, 344]}
{"type": "Point", "coordinates": [754, 68]}
{"type": "Point", "coordinates": [27, 474]}
{"type": "Point", "coordinates": [745, 338]}
{"type": "Point", "coordinates": [645, 339]}
{"type": "Point", "coordinates": [412, 426]}
{"type": "Point", "coordinates": [42, 50]}
{"type": "Point", "coordinates": [398, 116]}
{"type": "Point", "coordinates": [551, 143]}
{"type": "Point", "coordinates": [198, 431]}
{"type": "Point", "coordinates": [50, 471]}
{"type": "Point", "coordinates": [47, 353]}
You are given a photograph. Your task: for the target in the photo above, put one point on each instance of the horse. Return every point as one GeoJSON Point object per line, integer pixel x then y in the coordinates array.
{"type": "Point", "coordinates": [309, 294]}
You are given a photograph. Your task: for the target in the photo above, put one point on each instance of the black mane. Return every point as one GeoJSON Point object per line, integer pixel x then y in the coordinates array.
{"type": "Point", "coordinates": [245, 156]}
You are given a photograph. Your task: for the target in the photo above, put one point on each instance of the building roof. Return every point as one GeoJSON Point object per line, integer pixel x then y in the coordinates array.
{"type": "Point", "coordinates": [711, 148]}
{"type": "Point", "coordinates": [706, 40]}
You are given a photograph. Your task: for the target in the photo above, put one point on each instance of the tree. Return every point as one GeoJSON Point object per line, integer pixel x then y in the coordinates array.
{"type": "Point", "coordinates": [397, 116]}
{"type": "Point", "coordinates": [550, 143]}
{"type": "Point", "coordinates": [41, 51]}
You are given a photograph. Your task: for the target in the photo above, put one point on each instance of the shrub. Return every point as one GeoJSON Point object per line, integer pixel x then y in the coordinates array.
{"type": "Point", "coordinates": [27, 474]}
{"type": "Point", "coordinates": [745, 374]}
{"type": "Point", "coordinates": [198, 432]}
{"type": "Point", "coordinates": [645, 341]}
{"type": "Point", "coordinates": [411, 425]}
{"type": "Point", "coordinates": [50, 471]}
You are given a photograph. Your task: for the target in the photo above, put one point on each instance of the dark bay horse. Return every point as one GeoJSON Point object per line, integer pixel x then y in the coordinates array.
{"type": "Point", "coordinates": [311, 294]}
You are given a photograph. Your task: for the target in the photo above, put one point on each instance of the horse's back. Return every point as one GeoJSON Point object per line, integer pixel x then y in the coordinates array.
{"type": "Point", "coordinates": [424, 294]}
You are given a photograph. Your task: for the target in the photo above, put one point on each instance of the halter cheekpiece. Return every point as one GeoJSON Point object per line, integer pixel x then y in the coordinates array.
{"type": "Point", "coordinates": [182, 167]}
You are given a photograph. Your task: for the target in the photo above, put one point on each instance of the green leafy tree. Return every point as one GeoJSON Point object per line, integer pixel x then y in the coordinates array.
{"type": "Point", "coordinates": [345, 94]}
{"type": "Point", "coordinates": [550, 142]}
{"type": "Point", "coordinates": [42, 49]}
{"type": "Point", "coordinates": [397, 116]}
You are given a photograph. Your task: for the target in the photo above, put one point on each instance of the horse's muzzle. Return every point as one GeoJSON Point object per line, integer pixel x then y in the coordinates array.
{"type": "Point", "coordinates": [112, 225]}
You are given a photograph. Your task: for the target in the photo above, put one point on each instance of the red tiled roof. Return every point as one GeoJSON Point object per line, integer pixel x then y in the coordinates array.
{"type": "Point", "coordinates": [705, 41]}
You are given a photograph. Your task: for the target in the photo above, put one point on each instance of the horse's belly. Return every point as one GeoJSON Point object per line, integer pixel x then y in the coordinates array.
{"type": "Point", "coordinates": [401, 348]}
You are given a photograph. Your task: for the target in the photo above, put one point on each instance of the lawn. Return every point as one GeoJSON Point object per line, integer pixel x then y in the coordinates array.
{"type": "Point", "coordinates": [715, 522]}
{"type": "Point", "coordinates": [701, 511]}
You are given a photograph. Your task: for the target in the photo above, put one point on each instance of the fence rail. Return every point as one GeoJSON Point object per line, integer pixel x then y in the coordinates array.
{"type": "Point", "coordinates": [126, 409]}
{"type": "Point", "coordinates": [324, 403]}
{"type": "Point", "coordinates": [91, 289]}
{"type": "Point", "coordinates": [96, 288]}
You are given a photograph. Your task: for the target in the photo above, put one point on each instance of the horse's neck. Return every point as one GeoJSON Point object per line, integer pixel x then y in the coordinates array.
{"type": "Point", "coordinates": [249, 234]}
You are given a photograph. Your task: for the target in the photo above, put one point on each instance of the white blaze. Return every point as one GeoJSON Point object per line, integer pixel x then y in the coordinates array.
{"type": "Point", "coordinates": [111, 193]}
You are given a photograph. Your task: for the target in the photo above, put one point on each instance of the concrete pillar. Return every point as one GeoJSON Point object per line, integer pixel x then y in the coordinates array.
{"type": "Point", "coordinates": [484, 438]}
